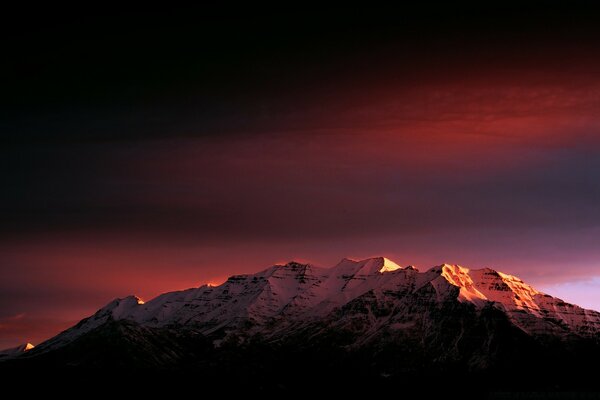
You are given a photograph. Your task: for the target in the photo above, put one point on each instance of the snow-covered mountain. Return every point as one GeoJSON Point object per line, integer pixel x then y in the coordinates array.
{"type": "Point", "coordinates": [367, 324]}
{"type": "Point", "coordinates": [285, 298]}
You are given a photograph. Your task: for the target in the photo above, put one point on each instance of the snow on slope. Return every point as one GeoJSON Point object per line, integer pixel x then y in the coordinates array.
{"type": "Point", "coordinates": [520, 301]}
{"type": "Point", "coordinates": [294, 293]}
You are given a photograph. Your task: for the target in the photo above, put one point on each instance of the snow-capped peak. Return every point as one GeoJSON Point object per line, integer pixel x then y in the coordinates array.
{"type": "Point", "coordinates": [388, 265]}
{"type": "Point", "coordinates": [17, 350]}
{"type": "Point", "coordinates": [490, 285]}
{"type": "Point", "coordinates": [124, 306]}
{"type": "Point", "coordinates": [367, 266]}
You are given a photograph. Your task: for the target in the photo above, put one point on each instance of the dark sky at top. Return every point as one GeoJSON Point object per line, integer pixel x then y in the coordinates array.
{"type": "Point", "coordinates": [153, 150]}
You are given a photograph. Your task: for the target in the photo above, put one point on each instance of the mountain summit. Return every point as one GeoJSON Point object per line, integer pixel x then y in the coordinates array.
{"type": "Point", "coordinates": [397, 321]}
{"type": "Point", "coordinates": [16, 351]}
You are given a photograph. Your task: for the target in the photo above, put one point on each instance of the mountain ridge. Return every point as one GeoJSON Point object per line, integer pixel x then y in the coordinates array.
{"type": "Point", "coordinates": [296, 292]}
{"type": "Point", "coordinates": [391, 323]}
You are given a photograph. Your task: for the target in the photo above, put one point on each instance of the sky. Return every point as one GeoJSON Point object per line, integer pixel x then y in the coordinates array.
{"type": "Point", "coordinates": [145, 152]}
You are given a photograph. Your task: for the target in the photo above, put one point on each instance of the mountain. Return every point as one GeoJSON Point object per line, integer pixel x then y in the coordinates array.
{"type": "Point", "coordinates": [372, 317]}
{"type": "Point", "coordinates": [16, 351]}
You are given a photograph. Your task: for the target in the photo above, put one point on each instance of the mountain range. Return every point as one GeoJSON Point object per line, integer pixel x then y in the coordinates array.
{"type": "Point", "coordinates": [371, 320]}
